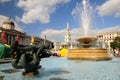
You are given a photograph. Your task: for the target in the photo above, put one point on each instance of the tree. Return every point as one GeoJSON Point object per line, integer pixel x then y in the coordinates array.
{"type": "Point", "coordinates": [115, 44]}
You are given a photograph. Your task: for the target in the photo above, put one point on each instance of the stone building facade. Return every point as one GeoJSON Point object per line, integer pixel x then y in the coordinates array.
{"type": "Point", "coordinates": [10, 34]}
{"type": "Point", "coordinates": [107, 37]}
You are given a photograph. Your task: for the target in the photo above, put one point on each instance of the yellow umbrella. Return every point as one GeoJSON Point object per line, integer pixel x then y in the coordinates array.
{"type": "Point", "coordinates": [63, 52]}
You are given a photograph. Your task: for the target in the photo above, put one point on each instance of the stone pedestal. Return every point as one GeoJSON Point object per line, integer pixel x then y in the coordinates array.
{"type": "Point", "coordinates": [29, 74]}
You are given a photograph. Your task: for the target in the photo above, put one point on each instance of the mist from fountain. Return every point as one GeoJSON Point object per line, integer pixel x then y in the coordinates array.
{"type": "Point", "coordinates": [84, 12]}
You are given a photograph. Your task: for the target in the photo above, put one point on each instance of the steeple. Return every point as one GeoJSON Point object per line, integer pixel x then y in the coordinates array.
{"type": "Point", "coordinates": [67, 34]}
{"type": "Point", "coordinates": [67, 26]}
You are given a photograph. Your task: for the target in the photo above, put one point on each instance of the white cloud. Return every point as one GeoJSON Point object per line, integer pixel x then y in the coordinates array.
{"type": "Point", "coordinates": [110, 7]}
{"type": "Point", "coordinates": [53, 35]}
{"type": "Point", "coordinates": [4, 18]}
{"type": "Point", "coordinates": [110, 29]}
{"type": "Point", "coordinates": [38, 9]}
{"type": "Point", "coordinates": [58, 35]}
{"type": "Point", "coordinates": [4, 1]}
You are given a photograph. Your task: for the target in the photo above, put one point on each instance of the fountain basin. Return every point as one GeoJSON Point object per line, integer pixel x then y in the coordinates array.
{"type": "Point", "coordinates": [93, 54]}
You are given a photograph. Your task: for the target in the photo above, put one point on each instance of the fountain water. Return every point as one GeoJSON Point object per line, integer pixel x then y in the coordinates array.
{"type": "Point", "coordinates": [84, 14]}
{"type": "Point", "coordinates": [88, 48]}
{"type": "Point", "coordinates": [85, 17]}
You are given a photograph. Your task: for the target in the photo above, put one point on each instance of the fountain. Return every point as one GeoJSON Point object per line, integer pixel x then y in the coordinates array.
{"type": "Point", "coordinates": [88, 47]}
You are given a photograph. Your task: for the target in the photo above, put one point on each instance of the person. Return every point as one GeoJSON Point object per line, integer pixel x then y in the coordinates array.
{"type": "Point", "coordinates": [116, 53]}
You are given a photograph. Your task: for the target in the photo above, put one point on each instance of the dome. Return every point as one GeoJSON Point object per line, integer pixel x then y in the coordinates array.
{"type": "Point", "coordinates": [8, 24]}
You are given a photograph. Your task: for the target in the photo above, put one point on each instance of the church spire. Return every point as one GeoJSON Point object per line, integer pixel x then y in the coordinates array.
{"type": "Point", "coordinates": [67, 26]}
{"type": "Point", "coordinates": [67, 35]}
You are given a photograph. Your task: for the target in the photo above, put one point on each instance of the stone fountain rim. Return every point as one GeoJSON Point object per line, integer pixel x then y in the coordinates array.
{"type": "Point", "coordinates": [88, 49]}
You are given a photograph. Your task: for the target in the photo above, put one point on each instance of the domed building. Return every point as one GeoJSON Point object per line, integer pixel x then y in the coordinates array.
{"type": "Point", "coordinates": [8, 34]}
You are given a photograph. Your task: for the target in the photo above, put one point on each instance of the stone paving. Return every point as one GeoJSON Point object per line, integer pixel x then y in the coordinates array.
{"type": "Point", "coordinates": [64, 69]}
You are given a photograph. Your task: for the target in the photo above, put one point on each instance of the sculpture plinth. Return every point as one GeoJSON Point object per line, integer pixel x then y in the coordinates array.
{"type": "Point", "coordinates": [87, 50]}
{"type": "Point", "coordinates": [30, 74]}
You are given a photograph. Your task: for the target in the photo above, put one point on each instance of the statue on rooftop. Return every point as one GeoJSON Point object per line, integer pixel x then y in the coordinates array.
{"type": "Point", "coordinates": [29, 57]}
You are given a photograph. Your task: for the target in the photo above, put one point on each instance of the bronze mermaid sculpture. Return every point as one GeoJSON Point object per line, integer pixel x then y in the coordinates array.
{"type": "Point", "coordinates": [29, 57]}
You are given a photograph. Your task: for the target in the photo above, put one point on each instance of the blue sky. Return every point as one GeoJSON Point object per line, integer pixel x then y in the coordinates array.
{"type": "Point", "coordinates": [50, 17]}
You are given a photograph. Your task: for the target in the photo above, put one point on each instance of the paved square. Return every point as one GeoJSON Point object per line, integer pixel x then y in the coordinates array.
{"type": "Point", "coordinates": [64, 69]}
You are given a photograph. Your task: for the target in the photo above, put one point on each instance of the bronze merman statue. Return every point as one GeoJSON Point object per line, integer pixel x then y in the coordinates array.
{"type": "Point", "coordinates": [28, 57]}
